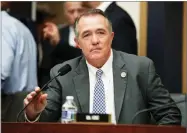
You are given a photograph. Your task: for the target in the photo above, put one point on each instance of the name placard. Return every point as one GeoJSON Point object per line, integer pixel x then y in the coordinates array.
{"type": "Point", "coordinates": [86, 117]}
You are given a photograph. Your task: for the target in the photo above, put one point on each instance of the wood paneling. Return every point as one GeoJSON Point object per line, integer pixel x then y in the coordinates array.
{"type": "Point", "coordinates": [184, 53]}
{"type": "Point", "coordinates": [142, 47]}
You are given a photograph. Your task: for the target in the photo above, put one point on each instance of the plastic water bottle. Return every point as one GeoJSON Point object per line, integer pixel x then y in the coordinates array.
{"type": "Point", "coordinates": [69, 110]}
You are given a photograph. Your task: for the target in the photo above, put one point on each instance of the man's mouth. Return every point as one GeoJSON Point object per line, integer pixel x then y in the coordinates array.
{"type": "Point", "coordinates": [96, 49]}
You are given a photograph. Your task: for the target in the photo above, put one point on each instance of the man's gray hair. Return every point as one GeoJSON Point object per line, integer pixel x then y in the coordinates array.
{"type": "Point", "coordinates": [88, 13]}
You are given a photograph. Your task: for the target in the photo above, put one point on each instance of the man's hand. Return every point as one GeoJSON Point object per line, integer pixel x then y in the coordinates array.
{"type": "Point", "coordinates": [51, 32]}
{"type": "Point", "coordinates": [37, 105]}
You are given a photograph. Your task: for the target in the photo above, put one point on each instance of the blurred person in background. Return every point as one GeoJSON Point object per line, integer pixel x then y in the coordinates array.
{"type": "Point", "coordinates": [125, 31]}
{"type": "Point", "coordinates": [18, 65]}
{"type": "Point", "coordinates": [62, 40]}
{"type": "Point", "coordinates": [44, 48]}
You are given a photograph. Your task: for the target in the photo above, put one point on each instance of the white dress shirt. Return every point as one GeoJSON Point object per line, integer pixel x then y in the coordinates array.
{"type": "Point", "coordinates": [107, 78]}
{"type": "Point", "coordinates": [71, 36]}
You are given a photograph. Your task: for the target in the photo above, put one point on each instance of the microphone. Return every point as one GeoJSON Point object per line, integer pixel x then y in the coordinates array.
{"type": "Point", "coordinates": [62, 71]}
{"type": "Point", "coordinates": [153, 108]}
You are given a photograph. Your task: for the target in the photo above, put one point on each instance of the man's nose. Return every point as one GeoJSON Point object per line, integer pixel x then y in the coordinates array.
{"type": "Point", "coordinates": [76, 14]}
{"type": "Point", "coordinates": [95, 40]}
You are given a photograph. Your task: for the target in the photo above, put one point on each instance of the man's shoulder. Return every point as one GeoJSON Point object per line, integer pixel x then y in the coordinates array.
{"type": "Point", "coordinates": [134, 59]}
{"type": "Point", "coordinates": [16, 31]}
{"type": "Point", "coordinates": [115, 8]}
{"type": "Point", "coordinates": [14, 25]}
{"type": "Point", "coordinates": [9, 20]}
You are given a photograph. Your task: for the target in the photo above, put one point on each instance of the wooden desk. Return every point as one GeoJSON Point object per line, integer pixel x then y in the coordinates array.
{"type": "Point", "coordinates": [86, 128]}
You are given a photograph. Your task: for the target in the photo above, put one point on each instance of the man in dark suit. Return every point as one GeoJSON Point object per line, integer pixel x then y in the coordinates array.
{"type": "Point", "coordinates": [123, 83]}
{"type": "Point", "coordinates": [125, 31]}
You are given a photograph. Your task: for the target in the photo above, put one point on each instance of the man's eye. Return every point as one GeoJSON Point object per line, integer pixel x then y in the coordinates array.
{"type": "Point", "coordinates": [101, 32]}
{"type": "Point", "coordinates": [86, 35]}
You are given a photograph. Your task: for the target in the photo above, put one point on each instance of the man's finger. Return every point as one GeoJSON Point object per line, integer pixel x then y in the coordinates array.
{"type": "Point", "coordinates": [25, 102]}
{"type": "Point", "coordinates": [29, 97]}
{"type": "Point", "coordinates": [37, 89]}
{"type": "Point", "coordinates": [33, 93]}
{"type": "Point", "coordinates": [43, 98]}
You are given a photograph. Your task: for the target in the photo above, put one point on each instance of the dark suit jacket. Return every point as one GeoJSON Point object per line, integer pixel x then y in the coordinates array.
{"type": "Point", "coordinates": [124, 29]}
{"type": "Point", "coordinates": [140, 89]}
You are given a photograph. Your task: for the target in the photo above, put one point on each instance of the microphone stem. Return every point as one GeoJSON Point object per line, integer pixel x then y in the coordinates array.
{"type": "Point", "coordinates": [150, 109]}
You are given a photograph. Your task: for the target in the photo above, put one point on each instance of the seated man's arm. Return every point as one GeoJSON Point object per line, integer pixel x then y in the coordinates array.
{"type": "Point", "coordinates": [45, 111]}
{"type": "Point", "coordinates": [52, 112]}
{"type": "Point", "coordinates": [159, 96]}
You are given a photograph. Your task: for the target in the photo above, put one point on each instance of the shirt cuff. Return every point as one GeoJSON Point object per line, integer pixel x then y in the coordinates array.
{"type": "Point", "coordinates": [27, 120]}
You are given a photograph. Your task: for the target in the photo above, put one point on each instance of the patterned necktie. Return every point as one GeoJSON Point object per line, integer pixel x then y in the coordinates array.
{"type": "Point", "coordinates": [99, 106]}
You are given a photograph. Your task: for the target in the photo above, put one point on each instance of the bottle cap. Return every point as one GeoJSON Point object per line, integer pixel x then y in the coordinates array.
{"type": "Point", "coordinates": [69, 97]}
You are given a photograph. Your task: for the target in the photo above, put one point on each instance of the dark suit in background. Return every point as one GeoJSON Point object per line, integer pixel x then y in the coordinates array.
{"type": "Point", "coordinates": [141, 88]}
{"type": "Point", "coordinates": [55, 55]}
{"type": "Point", "coordinates": [124, 29]}
{"type": "Point", "coordinates": [63, 50]}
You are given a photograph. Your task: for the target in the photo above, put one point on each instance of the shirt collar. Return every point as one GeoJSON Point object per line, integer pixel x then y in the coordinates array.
{"type": "Point", "coordinates": [71, 28]}
{"type": "Point", "coordinates": [104, 5]}
{"type": "Point", "coordinates": [105, 68]}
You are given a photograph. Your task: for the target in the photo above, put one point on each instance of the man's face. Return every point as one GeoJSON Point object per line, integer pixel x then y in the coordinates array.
{"type": "Point", "coordinates": [72, 10]}
{"type": "Point", "coordinates": [94, 37]}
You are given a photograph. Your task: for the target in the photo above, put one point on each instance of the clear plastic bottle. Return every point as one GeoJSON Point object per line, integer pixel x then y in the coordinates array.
{"type": "Point", "coordinates": [69, 110]}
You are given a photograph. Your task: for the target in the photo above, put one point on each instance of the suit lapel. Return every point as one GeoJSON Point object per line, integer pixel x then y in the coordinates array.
{"type": "Point", "coordinates": [120, 82]}
{"type": "Point", "coordinates": [81, 82]}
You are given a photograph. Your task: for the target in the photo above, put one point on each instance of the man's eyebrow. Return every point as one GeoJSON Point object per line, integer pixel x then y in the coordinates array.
{"type": "Point", "coordinates": [87, 31]}
{"type": "Point", "coordinates": [100, 29]}
{"type": "Point", "coordinates": [84, 32]}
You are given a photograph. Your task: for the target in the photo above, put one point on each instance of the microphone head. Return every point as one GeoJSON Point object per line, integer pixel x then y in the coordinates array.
{"type": "Point", "coordinates": [64, 69]}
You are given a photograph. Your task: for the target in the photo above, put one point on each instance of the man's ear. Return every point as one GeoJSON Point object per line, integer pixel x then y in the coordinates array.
{"type": "Point", "coordinates": [112, 35]}
{"type": "Point", "coordinates": [76, 42]}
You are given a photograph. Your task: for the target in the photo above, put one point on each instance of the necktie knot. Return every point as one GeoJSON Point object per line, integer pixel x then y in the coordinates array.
{"type": "Point", "coordinates": [99, 73]}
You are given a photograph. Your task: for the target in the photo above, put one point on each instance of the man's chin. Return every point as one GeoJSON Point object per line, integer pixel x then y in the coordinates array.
{"type": "Point", "coordinates": [95, 58]}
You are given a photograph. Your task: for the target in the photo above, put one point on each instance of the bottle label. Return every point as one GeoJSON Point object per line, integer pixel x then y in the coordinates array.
{"type": "Point", "coordinates": [68, 115]}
